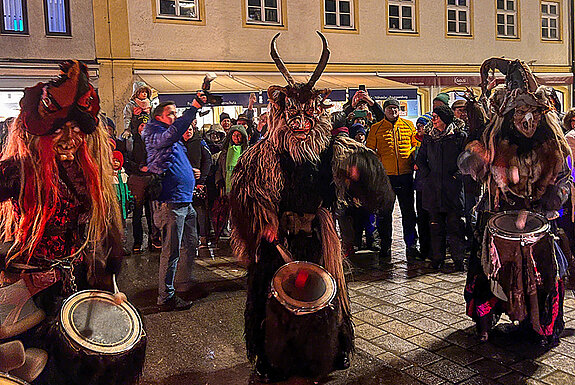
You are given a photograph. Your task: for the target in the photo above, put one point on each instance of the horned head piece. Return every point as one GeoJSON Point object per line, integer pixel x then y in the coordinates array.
{"type": "Point", "coordinates": [318, 69]}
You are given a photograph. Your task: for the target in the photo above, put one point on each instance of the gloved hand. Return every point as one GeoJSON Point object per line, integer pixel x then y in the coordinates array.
{"type": "Point", "coordinates": [200, 99]}
{"type": "Point", "coordinates": [126, 134]}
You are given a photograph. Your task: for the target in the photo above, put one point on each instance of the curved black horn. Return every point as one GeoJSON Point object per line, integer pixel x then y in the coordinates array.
{"type": "Point", "coordinates": [279, 62]}
{"type": "Point", "coordinates": [322, 62]}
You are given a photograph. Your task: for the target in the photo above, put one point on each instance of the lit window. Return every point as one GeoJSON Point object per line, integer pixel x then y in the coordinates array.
{"type": "Point", "coordinates": [339, 14]}
{"type": "Point", "coordinates": [507, 18]}
{"type": "Point", "coordinates": [14, 16]}
{"type": "Point", "coordinates": [184, 9]}
{"type": "Point", "coordinates": [264, 12]}
{"type": "Point", "coordinates": [458, 17]}
{"type": "Point", "coordinates": [57, 15]}
{"type": "Point", "coordinates": [550, 21]}
{"type": "Point", "coordinates": [401, 15]}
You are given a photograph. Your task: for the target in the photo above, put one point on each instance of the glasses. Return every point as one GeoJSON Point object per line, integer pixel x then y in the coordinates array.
{"type": "Point", "coordinates": [434, 117]}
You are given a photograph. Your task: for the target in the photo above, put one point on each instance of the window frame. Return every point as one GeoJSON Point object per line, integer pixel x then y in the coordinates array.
{"type": "Point", "coordinates": [414, 19]}
{"type": "Point", "coordinates": [25, 31]}
{"type": "Point", "coordinates": [516, 13]}
{"type": "Point", "coordinates": [67, 18]}
{"type": "Point", "coordinates": [263, 7]}
{"type": "Point", "coordinates": [282, 16]}
{"type": "Point", "coordinates": [469, 22]}
{"type": "Point", "coordinates": [559, 26]}
{"type": "Point", "coordinates": [175, 19]}
{"type": "Point", "coordinates": [353, 15]}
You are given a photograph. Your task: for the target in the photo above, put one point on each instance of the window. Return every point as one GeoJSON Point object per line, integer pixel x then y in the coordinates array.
{"type": "Point", "coordinates": [458, 17]}
{"type": "Point", "coordinates": [550, 20]}
{"type": "Point", "coordinates": [401, 15]}
{"type": "Point", "coordinates": [507, 18]}
{"type": "Point", "coordinates": [180, 9]}
{"type": "Point", "coordinates": [14, 17]}
{"type": "Point", "coordinates": [339, 14]}
{"type": "Point", "coordinates": [57, 17]}
{"type": "Point", "coordinates": [264, 12]}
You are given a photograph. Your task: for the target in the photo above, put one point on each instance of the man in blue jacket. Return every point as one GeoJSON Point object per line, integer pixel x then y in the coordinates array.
{"type": "Point", "coordinates": [175, 217]}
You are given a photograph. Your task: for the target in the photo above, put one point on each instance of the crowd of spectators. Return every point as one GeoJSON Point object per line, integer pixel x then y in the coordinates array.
{"type": "Point", "coordinates": [195, 168]}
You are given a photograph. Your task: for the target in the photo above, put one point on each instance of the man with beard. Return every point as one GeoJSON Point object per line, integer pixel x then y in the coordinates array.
{"type": "Point", "coordinates": [283, 189]}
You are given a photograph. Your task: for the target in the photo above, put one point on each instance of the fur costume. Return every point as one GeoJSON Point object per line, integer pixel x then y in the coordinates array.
{"type": "Point", "coordinates": [59, 216]}
{"type": "Point", "coordinates": [520, 155]}
{"type": "Point", "coordinates": [287, 183]}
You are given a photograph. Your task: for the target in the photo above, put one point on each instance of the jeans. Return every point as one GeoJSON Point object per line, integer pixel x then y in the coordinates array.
{"type": "Point", "coordinates": [177, 222]}
{"type": "Point", "coordinates": [402, 185]}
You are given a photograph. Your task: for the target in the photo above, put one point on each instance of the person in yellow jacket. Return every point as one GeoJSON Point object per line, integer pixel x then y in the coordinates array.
{"type": "Point", "coordinates": [393, 139]}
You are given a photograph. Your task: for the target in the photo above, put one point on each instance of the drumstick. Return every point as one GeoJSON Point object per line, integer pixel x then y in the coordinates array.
{"type": "Point", "coordinates": [119, 297]}
{"type": "Point", "coordinates": [87, 331]}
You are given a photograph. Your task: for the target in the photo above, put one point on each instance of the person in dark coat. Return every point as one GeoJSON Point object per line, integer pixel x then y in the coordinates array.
{"type": "Point", "coordinates": [139, 179]}
{"type": "Point", "coordinates": [443, 185]}
{"type": "Point", "coordinates": [201, 159]}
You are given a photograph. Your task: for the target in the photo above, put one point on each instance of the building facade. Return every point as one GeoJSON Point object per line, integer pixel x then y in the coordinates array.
{"type": "Point", "coordinates": [35, 35]}
{"type": "Point", "coordinates": [418, 46]}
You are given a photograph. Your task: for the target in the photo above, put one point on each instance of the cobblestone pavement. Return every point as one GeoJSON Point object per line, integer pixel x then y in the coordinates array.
{"type": "Point", "coordinates": [410, 321]}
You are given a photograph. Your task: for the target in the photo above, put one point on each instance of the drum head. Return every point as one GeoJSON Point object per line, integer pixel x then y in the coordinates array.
{"type": "Point", "coordinates": [91, 319]}
{"type": "Point", "coordinates": [6, 379]}
{"type": "Point", "coordinates": [303, 287]}
{"type": "Point", "coordinates": [505, 224]}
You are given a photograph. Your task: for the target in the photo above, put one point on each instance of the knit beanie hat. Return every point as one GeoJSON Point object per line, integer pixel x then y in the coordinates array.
{"type": "Point", "coordinates": [338, 130]}
{"type": "Point", "coordinates": [119, 157]}
{"type": "Point", "coordinates": [458, 103]}
{"type": "Point", "coordinates": [224, 115]}
{"type": "Point", "coordinates": [445, 114]}
{"type": "Point", "coordinates": [390, 102]}
{"type": "Point", "coordinates": [442, 97]}
{"type": "Point", "coordinates": [424, 119]}
{"type": "Point", "coordinates": [355, 129]}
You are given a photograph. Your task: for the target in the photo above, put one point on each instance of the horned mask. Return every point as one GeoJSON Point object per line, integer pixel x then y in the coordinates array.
{"type": "Point", "coordinates": [521, 94]}
{"type": "Point", "coordinates": [298, 120]}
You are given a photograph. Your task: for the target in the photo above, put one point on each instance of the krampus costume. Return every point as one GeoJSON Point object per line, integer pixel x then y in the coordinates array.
{"type": "Point", "coordinates": [283, 189]}
{"type": "Point", "coordinates": [59, 216]}
{"type": "Point", "coordinates": [521, 158]}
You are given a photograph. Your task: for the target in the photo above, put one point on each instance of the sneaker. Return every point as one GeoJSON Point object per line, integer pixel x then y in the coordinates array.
{"type": "Point", "coordinates": [459, 265]}
{"type": "Point", "coordinates": [175, 303]}
{"type": "Point", "coordinates": [155, 245]}
{"type": "Point", "coordinates": [412, 253]}
{"type": "Point", "coordinates": [436, 264]}
{"type": "Point", "coordinates": [137, 249]}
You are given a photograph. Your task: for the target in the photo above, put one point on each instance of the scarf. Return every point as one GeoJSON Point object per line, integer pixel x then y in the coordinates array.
{"type": "Point", "coordinates": [234, 152]}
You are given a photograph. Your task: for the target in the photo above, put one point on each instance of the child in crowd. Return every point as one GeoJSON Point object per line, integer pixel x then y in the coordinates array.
{"type": "Point", "coordinates": [120, 182]}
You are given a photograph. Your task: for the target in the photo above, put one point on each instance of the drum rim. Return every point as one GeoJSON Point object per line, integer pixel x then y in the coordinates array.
{"type": "Point", "coordinates": [6, 376]}
{"type": "Point", "coordinates": [303, 307]}
{"type": "Point", "coordinates": [126, 344]}
{"type": "Point", "coordinates": [515, 236]}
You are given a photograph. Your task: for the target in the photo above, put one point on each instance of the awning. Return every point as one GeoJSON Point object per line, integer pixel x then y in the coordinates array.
{"type": "Point", "coordinates": [471, 80]}
{"type": "Point", "coordinates": [16, 78]}
{"type": "Point", "coordinates": [176, 82]}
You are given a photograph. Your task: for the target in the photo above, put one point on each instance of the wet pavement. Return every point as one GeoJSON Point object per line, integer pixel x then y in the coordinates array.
{"type": "Point", "coordinates": [410, 327]}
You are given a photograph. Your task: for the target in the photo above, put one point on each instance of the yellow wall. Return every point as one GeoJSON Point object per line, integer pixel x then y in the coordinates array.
{"type": "Point", "coordinates": [222, 42]}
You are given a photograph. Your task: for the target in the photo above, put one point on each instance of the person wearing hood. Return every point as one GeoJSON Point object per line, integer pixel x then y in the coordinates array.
{"type": "Point", "coordinates": [442, 185]}
{"type": "Point", "coordinates": [235, 143]}
{"type": "Point", "coordinates": [139, 103]}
